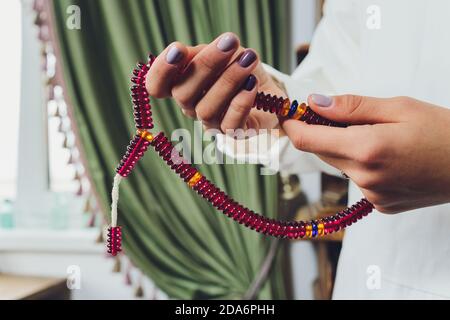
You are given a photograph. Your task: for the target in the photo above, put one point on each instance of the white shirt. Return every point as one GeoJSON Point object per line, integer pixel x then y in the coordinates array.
{"type": "Point", "coordinates": [407, 255]}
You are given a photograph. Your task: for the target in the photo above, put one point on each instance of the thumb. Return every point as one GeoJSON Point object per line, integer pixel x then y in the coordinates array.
{"type": "Point", "coordinates": [353, 109]}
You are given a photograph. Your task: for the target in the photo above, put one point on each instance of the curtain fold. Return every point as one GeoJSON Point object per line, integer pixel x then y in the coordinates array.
{"type": "Point", "coordinates": [184, 245]}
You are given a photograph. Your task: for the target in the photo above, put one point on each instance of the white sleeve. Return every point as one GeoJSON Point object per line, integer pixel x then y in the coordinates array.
{"type": "Point", "coordinates": [330, 67]}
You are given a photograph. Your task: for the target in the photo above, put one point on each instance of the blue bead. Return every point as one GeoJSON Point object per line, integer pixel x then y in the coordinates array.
{"type": "Point", "coordinates": [314, 229]}
{"type": "Point", "coordinates": [293, 108]}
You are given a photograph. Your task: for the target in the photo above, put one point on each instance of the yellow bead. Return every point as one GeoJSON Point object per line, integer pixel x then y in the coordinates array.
{"type": "Point", "coordinates": [286, 107]}
{"type": "Point", "coordinates": [308, 233]}
{"type": "Point", "coordinates": [300, 111]}
{"type": "Point", "coordinates": [320, 229]}
{"type": "Point", "coordinates": [145, 135]}
{"type": "Point", "coordinates": [195, 178]}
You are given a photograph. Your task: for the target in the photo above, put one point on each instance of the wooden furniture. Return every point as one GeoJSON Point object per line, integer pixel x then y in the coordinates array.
{"type": "Point", "coordinates": [14, 287]}
{"type": "Point", "coordinates": [327, 248]}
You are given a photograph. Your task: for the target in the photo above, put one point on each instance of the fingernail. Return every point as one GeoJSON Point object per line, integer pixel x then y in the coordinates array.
{"type": "Point", "coordinates": [227, 42]}
{"type": "Point", "coordinates": [174, 55]}
{"type": "Point", "coordinates": [322, 100]}
{"type": "Point", "coordinates": [247, 58]}
{"type": "Point", "coordinates": [250, 83]}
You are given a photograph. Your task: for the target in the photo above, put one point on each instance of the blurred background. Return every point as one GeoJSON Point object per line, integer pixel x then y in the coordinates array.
{"type": "Point", "coordinates": [64, 123]}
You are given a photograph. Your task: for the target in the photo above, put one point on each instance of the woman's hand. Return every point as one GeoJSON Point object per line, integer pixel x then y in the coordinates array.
{"type": "Point", "coordinates": [397, 150]}
{"type": "Point", "coordinates": [216, 83]}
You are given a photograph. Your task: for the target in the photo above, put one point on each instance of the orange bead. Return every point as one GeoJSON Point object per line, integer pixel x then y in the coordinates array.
{"type": "Point", "coordinates": [195, 178]}
{"type": "Point", "coordinates": [301, 109]}
{"type": "Point", "coordinates": [145, 135]}
{"type": "Point", "coordinates": [320, 229]}
{"type": "Point", "coordinates": [286, 107]}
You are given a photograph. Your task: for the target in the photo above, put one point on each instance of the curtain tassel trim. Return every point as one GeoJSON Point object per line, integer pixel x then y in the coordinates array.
{"type": "Point", "coordinates": [143, 138]}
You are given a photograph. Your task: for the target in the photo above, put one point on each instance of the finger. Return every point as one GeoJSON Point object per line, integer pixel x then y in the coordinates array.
{"type": "Point", "coordinates": [328, 141]}
{"type": "Point", "coordinates": [212, 106]}
{"type": "Point", "coordinates": [385, 201]}
{"type": "Point", "coordinates": [189, 113]}
{"type": "Point", "coordinates": [165, 68]}
{"type": "Point", "coordinates": [352, 169]}
{"type": "Point", "coordinates": [204, 69]}
{"type": "Point", "coordinates": [240, 106]}
{"type": "Point", "coordinates": [193, 51]}
{"type": "Point", "coordinates": [353, 109]}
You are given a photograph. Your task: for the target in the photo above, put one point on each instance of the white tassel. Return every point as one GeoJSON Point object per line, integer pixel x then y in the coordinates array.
{"type": "Point", "coordinates": [115, 199]}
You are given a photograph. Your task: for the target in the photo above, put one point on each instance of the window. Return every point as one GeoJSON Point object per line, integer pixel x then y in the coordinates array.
{"type": "Point", "coordinates": [10, 32]}
{"type": "Point", "coordinates": [37, 186]}
{"type": "Point", "coordinates": [62, 156]}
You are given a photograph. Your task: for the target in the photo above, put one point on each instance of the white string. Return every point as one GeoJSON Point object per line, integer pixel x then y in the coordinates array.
{"type": "Point", "coordinates": [115, 199]}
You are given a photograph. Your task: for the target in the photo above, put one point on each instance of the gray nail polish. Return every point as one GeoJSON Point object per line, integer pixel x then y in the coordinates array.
{"type": "Point", "coordinates": [322, 100]}
{"type": "Point", "coordinates": [174, 55]}
{"type": "Point", "coordinates": [247, 58]}
{"type": "Point", "coordinates": [227, 42]}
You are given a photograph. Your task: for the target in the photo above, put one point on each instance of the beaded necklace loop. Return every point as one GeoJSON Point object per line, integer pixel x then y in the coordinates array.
{"type": "Point", "coordinates": [143, 138]}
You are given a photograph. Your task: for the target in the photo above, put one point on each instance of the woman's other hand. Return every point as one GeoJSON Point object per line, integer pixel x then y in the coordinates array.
{"type": "Point", "coordinates": [396, 150]}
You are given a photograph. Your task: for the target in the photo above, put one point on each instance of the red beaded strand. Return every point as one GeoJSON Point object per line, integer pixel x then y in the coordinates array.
{"type": "Point", "coordinates": [135, 150]}
{"type": "Point", "coordinates": [274, 104]}
{"type": "Point", "coordinates": [114, 242]}
{"type": "Point", "coordinates": [283, 108]}
{"type": "Point", "coordinates": [141, 100]}
{"type": "Point", "coordinates": [243, 215]}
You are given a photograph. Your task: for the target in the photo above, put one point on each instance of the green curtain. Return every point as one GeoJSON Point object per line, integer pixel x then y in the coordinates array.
{"type": "Point", "coordinates": [186, 247]}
